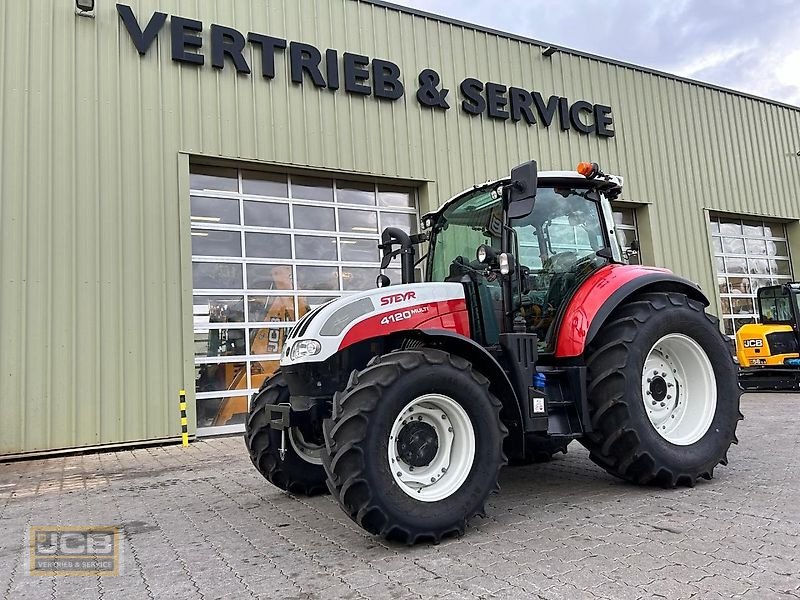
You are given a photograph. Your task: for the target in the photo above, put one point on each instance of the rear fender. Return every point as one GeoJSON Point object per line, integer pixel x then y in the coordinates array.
{"type": "Point", "coordinates": [606, 290]}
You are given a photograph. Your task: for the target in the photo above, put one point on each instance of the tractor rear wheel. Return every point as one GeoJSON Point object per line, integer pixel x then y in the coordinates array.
{"type": "Point", "coordinates": [299, 469]}
{"type": "Point", "coordinates": [414, 445]}
{"type": "Point", "coordinates": [663, 394]}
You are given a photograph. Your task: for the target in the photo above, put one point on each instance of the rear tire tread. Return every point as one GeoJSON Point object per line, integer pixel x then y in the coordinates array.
{"type": "Point", "coordinates": [617, 448]}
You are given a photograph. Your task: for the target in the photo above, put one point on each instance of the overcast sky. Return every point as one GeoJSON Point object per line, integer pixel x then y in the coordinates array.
{"type": "Point", "coordinates": [748, 45]}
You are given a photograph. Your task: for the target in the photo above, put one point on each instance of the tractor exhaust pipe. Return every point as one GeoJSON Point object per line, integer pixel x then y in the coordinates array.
{"type": "Point", "coordinates": [391, 237]}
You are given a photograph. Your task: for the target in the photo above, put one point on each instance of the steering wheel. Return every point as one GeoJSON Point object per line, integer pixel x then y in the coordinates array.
{"type": "Point", "coordinates": [560, 262]}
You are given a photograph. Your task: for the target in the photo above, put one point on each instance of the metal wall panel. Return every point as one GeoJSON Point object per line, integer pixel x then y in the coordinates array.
{"type": "Point", "coordinates": [94, 146]}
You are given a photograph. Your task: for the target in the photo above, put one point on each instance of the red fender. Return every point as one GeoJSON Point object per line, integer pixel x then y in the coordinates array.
{"type": "Point", "coordinates": [594, 294]}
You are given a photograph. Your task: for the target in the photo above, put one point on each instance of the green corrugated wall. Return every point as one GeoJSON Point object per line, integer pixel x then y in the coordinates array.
{"type": "Point", "coordinates": [95, 144]}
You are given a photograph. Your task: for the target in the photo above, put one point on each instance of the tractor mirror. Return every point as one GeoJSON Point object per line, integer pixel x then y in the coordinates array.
{"type": "Point", "coordinates": [520, 209]}
{"type": "Point", "coordinates": [524, 179]}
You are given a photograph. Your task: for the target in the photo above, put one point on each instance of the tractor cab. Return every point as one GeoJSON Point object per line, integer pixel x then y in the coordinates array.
{"type": "Point", "coordinates": [549, 246]}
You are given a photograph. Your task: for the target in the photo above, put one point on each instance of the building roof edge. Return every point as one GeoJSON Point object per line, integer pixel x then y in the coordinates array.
{"type": "Point", "coordinates": [521, 38]}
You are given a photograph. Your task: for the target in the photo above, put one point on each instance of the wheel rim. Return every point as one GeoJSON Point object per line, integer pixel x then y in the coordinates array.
{"type": "Point", "coordinates": [431, 448]}
{"type": "Point", "coordinates": [679, 389]}
{"type": "Point", "coordinates": [309, 452]}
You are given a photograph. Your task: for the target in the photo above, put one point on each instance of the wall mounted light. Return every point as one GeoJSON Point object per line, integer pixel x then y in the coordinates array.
{"type": "Point", "coordinates": [84, 7]}
{"type": "Point", "coordinates": [549, 51]}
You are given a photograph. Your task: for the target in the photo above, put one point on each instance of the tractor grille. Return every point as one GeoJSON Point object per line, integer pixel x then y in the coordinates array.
{"type": "Point", "coordinates": [782, 342]}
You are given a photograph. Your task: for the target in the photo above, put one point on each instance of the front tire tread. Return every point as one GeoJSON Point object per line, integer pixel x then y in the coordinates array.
{"type": "Point", "coordinates": [347, 428]}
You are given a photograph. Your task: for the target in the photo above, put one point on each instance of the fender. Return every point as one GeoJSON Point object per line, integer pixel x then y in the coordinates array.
{"type": "Point", "coordinates": [604, 291]}
{"type": "Point", "coordinates": [487, 364]}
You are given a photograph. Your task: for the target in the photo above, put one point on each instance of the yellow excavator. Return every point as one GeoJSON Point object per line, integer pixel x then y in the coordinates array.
{"type": "Point", "coordinates": [769, 351]}
{"type": "Point", "coordinates": [268, 340]}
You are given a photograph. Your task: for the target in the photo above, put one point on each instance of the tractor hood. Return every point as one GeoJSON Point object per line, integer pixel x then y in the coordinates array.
{"type": "Point", "coordinates": [375, 313]}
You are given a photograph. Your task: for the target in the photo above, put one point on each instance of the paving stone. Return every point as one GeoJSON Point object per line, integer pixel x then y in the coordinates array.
{"type": "Point", "coordinates": [774, 581]}
{"type": "Point", "coordinates": [567, 592]}
{"type": "Point", "coordinates": [763, 594]}
{"type": "Point", "coordinates": [671, 589]}
{"type": "Point", "coordinates": [617, 591]}
{"type": "Point", "coordinates": [730, 570]}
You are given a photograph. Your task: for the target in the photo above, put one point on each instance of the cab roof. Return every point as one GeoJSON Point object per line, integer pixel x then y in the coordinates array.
{"type": "Point", "coordinates": [544, 177]}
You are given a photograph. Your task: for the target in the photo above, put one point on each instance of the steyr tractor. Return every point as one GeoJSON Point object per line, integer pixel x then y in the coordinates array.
{"type": "Point", "coordinates": [529, 331]}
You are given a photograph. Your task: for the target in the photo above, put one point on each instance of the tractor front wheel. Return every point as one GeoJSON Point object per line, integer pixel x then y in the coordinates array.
{"type": "Point", "coordinates": [298, 468]}
{"type": "Point", "coordinates": [414, 445]}
{"type": "Point", "coordinates": [663, 394]}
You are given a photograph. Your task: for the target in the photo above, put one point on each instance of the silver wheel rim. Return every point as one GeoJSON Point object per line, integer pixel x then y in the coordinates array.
{"type": "Point", "coordinates": [449, 468]}
{"type": "Point", "coordinates": [311, 453]}
{"type": "Point", "coordinates": [679, 389]}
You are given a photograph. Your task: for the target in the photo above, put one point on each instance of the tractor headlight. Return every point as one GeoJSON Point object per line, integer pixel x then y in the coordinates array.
{"type": "Point", "coordinates": [304, 348]}
{"type": "Point", "coordinates": [505, 264]}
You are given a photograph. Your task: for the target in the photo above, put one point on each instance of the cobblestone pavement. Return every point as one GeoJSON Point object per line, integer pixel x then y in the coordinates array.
{"type": "Point", "coordinates": [201, 522]}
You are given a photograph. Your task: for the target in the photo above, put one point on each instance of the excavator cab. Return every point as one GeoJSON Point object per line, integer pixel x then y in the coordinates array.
{"type": "Point", "coordinates": [769, 351]}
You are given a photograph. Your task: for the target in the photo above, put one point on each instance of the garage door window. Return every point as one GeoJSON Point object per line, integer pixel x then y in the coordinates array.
{"type": "Point", "coordinates": [749, 254]}
{"type": "Point", "coordinates": [625, 222]}
{"type": "Point", "coordinates": [266, 249]}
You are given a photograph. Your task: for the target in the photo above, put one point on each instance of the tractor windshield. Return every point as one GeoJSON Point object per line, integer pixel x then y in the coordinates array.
{"type": "Point", "coordinates": [470, 222]}
{"type": "Point", "coordinates": [564, 230]}
{"type": "Point", "coordinates": [557, 245]}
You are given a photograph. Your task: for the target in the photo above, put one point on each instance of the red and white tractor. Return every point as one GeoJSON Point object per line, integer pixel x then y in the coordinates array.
{"type": "Point", "coordinates": [405, 401]}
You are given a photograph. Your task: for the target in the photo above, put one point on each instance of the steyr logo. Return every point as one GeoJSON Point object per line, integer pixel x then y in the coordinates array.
{"type": "Point", "coordinates": [753, 343]}
{"type": "Point", "coordinates": [395, 298]}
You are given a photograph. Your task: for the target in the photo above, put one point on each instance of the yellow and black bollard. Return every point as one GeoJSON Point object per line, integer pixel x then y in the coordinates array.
{"type": "Point", "coordinates": [184, 421]}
